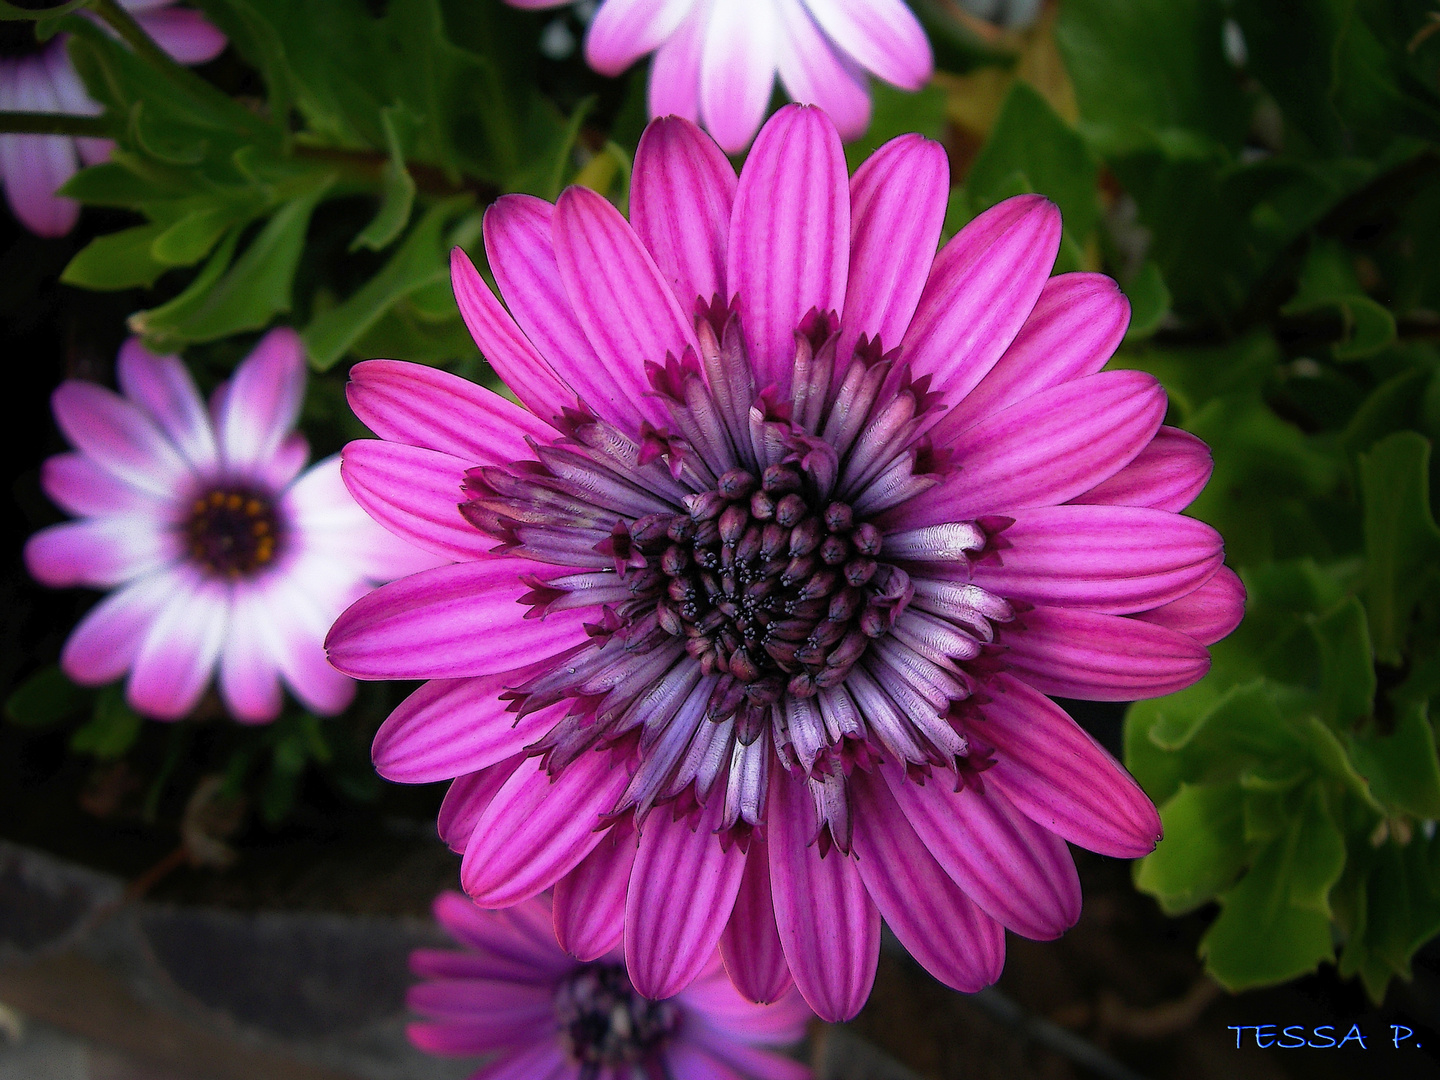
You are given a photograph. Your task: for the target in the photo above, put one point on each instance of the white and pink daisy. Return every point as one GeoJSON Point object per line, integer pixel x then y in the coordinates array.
{"type": "Point", "coordinates": [39, 78]}
{"type": "Point", "coordinates": [541, 1014]}
{"type": "Point", "coordinates": [716, 61]}
{"type": "Point", "coordinates": [219, 550]}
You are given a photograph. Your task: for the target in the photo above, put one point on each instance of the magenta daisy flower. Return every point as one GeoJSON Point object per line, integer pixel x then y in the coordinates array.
{"type": "Point", "coordinates": [39, 78]}
{"type": "Point", "coordinates": [217, 553]}
{"type": "Point", "coordinates": [515, 994]}
{"type": "Point", "coordinates": [716, 62]}
{"type": "Point", "coordinates": [756, 605]}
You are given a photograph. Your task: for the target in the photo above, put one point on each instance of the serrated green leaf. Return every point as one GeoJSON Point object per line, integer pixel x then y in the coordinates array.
{"type": "Point", "coordinates": [1203, 849]}
{"type": "Point", "coordinates": [1328, 281]}
{"type": "Point", "coordinates": [46, 698]}
{"type": "Point", "coordinates": [397, 188]}
{"type": "Point", "coordinates": [118, 260]}
{"type": "Point", "coordinates": [1347, 672]}
{"type": "Point", "coordinates": [112, 728]}
{"type": "Point", "coordinates": [1401, 764]}
{"type": "Point", "coordinates": [192, 237]}
{"type": "Point", "coordinates": [1402, 543]}
{"type": "Point", "coordinates": [1398, 911]}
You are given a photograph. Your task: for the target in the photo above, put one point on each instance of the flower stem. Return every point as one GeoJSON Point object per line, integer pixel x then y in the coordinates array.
{"type": "Point", "coordinates": [42, 123]}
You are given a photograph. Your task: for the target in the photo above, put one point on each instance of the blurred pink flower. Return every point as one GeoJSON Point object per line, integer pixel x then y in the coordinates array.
{"type": "Point", "coordinates": [716, 60]}
{"type": "Point", "coordinates": [515, 993]}
{"type": "Point", "coordinates": [786, 590]}
{"type": "Point", "coordinates": [217, 552]}
{"type": "Point", "coordinates": [36, 78]}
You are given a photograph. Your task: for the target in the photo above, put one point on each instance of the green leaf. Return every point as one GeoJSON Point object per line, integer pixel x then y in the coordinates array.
{"type": "Point", "coordinates": [118, 260]}
{"type": "Point", "coordinates": [897, 112]}
{"type": "Point", "coordinates": [112, 728]}
{"type": "Point", "coordinates": [1347, 672]}
{"type": "Point", "coordinates": [397, 188]}
{"type": "Point", "coordinates": [1398, 911]}
{"type": "Point", "coordinates": [192, 237]}
{"type": "Point", "coordinates": [1402, 543]}
{"type": "Point", "coordinates": [46, 698]}
{"type": "Point", "coordinates": [1149, 301]}
{"type": "Point", "coordinates": [11, 13]}
{"type": "Point", "coordinates": [1400, 764]}
{"type": "Point", "coordinates": [1329, 281]}
{"type": "Point", "coordinates": [1203, 849]}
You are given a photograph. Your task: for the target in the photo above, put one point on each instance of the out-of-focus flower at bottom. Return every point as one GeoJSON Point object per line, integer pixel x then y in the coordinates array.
{"type": "Point", "coordinates": [515, 993]}
{"type": "Point", "coordinates": [219, 549]}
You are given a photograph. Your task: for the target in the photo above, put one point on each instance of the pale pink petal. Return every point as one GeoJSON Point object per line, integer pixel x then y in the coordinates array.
{"type": "Point", "coordinates": [299, 608]}
{"type": "Point", "coordinates": [686, 1061]}
{"type": "Point", "coordinates": [537, 829]}
{"type": "Point", "coordinates": [450, 622]}
{"type": "Point", "coordinates": [936, 922]}
{"type": "Point", "coordinates": [590, 900]}
{"type": "Point", "coordinates": [249, 677]}
{"type": "Point", "coordinates": [528, 374]}
{"type": "Point", "coordinates": [186, 35]}
{"type": "Point", "coordinates": [416, 494]}
{"type": "Point", "coordinates": [625, 30]}
{"type": "Point", "coordinates": [674, 88]}
{"type": "Point", "coordinates": [73, 99]}
{"type": "Point", "coordinates": [1207, 614]}
{"type": "Point", "coordinates": [283, 466]}
{"type": "Point", "coordinates": [1084, 654]}
{"type": "Point", "coordinates": [882, 35]}
{"type": "Point", "coordinates": [467, 799]}
{"type": "Point", "coordinates": [737, 70]}
{"type": "Point", "coordinates": [789, 236]}
{"type": "Point", "coordinates": [499, 1004]}
{"type": "Point", "coordinates": [814, 73]}
{"type": "Point", "coordinates": [103, 646]}
{"type": "Point", "coordinates": [77, 485]}
{"type": "Point", "coordinates": [1167, 475]}
{"type": "Point", "coordinates": [897, 206]}
{"type": "Point", "coordinates": [100, 552]}
{"type": "Point", "coordinates": [542, 1061]}
{"type": "Point", "coordinates": [1020, 874]}
{"type": "Point", "coordinates": [1075, 327]}
{"type": "Point", "coordinates": [33, 166]}
{"type": "Point", "coordinates": [119, 437]}
{"type": "Point", "coordinates": [162, 386]}
{"type": "Point", "coordinates": [748, 1061]}
{"type": "Point", "coordinates": [680, 201]}
{"type": "Point", "coordinates": [754, 957]}
{"type": "Point", "coordinates": [828, 925]}
{"type": "Point", "coordinates": [668, 944]}
{"type": "Point", "coordinates": [982, 288]}
{"type": "Point", "coordinates": [521, 935]}
{"type": "Point", "coordinates": [1115, 559]}
{"type": "Point", "coordinates": [450, 727]}
{"type": "Point", "coordinates": [1061, 778]}
{"type": "Point", "coordinates": [261, 402]}
{"type": "Point", "coordinates": [174, 662]}
{"type": "Point", "coordinates": [713, 1000]}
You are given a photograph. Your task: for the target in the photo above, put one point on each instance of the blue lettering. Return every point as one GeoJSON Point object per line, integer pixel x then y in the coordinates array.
{"type": "Point", "coordinates": [1299, 1039]}
{"type": "Point", "coordinates": [1330, 1038]}
{"type": "Point", "coordinates": [1354, 1033]}
{"type": "Point", "coordinates": [1239, 1033]}
{"type": "Point", "coordinates": [1265, 1031]}
{"type": "Point", "coordinates": [1396, 1038]}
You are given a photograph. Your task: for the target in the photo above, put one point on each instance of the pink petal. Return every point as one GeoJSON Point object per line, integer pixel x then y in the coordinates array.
{"type": "Point", "coordinates": [298, 609]}
{"type": "Point", "coordinates": [618, 294]}
{"type": "Point", "coordinates": [416, 494]}
{"type": "Point", "coordinates": [1043, 450]}
{"type": "Point", "coordinates": [748, 1061]}
{"type": "Point", "coordinates": [685, 1061]}
{"type": "Point", "coordinates": [78, 486]}
{"type": "Point", "coordinates": [682, 191]}
{"type": "Point", "coordinates": [814, 73]}
{"type": "Point", "coordinates": [1207, 614]}
{"type": "Point", "coordinates": [450, 727]}
{"type": "Point", "coordinates": [674, 88]}
{"type": "Point", "coordinates": [424, 406]}
{"type": "Point", "coordinates": [1061, 778]}
{"type": "Point", "coordinates": [590, 900]}
{"type": "Point", "coordinates": [713, 1000]}
{"type": "Point", "coordinates": [249, 677]}
{"type": "Point", "coordinates": [668, 944]}
{"type": "Point", "coordinates": [528, 374]}
{"type": "Point", "coordinates": [448, 623]}
{"type": "Point", "coordinates": [625, 30]}
{"type": "Point", "coordinates": [186, 35]}
{"type": "Point", "coordinates": [1167, 475]}
{"type": "Point", "coordinates": [737, 70]}
{"type": "Point", "coordinates": [789, 235]}
{"type": "Point", "coordinates": [162, 386]}
{"type": "Point", "coordinates": [936, 922]}
{"type": "Point", "coordinates": [500, 1004]}
{"type": "Point", "coordinates": [72, 98]}
{"type": "Point", "coordinates": [467, 799]}
{"type": "Point", "coordinates": [537, 829]}
{"type": "Point", "coordinates": [261, 402]}
{"type": "Point", "coordinates": [100, 552]}
{"type": "Point", "coordinates": [103, 646]}
{"type": "Point", "coordinates": [521, 934]}
{"type": "Point", "coordinates": [897, 206]}
{"type": "Point", "coordinates": [754, 957]}
{"type": "Point", "coordinates": [1095, 657]}
{"type": "Point", "coordinates": [828, 926]}
{"type": "Point", "coordinates": [174, 662]}
{"type": "Point", "coordinates": [543, 1061]}
{"type": "Point", "coordinates": [34, 166]}
{"type": "Point", "coordinates": [283, 466]}
{"type": "Point", "coordinates": [882, 35]}
{"type": "Point", "coordinates": [1020, 874]}
{"type": "Point", "coordinates": [982, 288]}
{"type": "Point", "coordinates": [1075, 327]}
{"type": "Point", "coordinates": [119, 437]}
{"type": "Point", "coordinates": [1115, 559]}
{"type": "Point", "coordinates": [519, 244]}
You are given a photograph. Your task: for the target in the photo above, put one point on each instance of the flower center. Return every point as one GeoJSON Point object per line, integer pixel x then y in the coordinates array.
{"type": "Point", "coordinates": [17, 39]}
{"type": "Point", "coordinates": [233, 531]}
{"type": "Point", "coordinates": [604, 1023]}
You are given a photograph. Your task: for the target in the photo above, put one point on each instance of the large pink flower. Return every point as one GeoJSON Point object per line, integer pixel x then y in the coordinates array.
{"type": "Point", "coordinates": [515, 993]}
{"type": "Point", "coordinates": [40, 79]}
{"type": "Point", "coordinates": [752, 643]}
{"type": "Point", "coordinates": [716, 60]}
{"type": "Point", "coordinates": [217, 552]}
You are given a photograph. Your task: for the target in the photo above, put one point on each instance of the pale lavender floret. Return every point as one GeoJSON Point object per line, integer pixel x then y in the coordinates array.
{"type": "Point", "coordinates": [786, 619]}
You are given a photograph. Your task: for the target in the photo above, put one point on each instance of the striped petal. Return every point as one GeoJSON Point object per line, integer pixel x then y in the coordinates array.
{"type": "Point", "coordinates": [416, 494]}
{"type": "Point", "coordinates": [590, 900]}
{"type": "Point", "coordinates": [1207, 614]}
{"type": "Point", "coordinates": [754, 957]}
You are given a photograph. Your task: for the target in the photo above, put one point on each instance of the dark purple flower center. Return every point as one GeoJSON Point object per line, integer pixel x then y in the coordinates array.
{"type": "Point", "coordinates": [233, 531]}
{"type": "Point", "coordinates": [606, 1025]}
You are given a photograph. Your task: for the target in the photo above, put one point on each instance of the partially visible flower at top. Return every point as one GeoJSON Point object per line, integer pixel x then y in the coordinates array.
{"type": "Point", "coordinates": [39, 78]}
{"type": "Point", "coordinates": [217, 552]}
{"type": "Point", "coordinates": [800, 527]}
{"type": "Point", "coordinates": [716, 60]}
{"type": "Point", "coordinates": [516, 994]}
